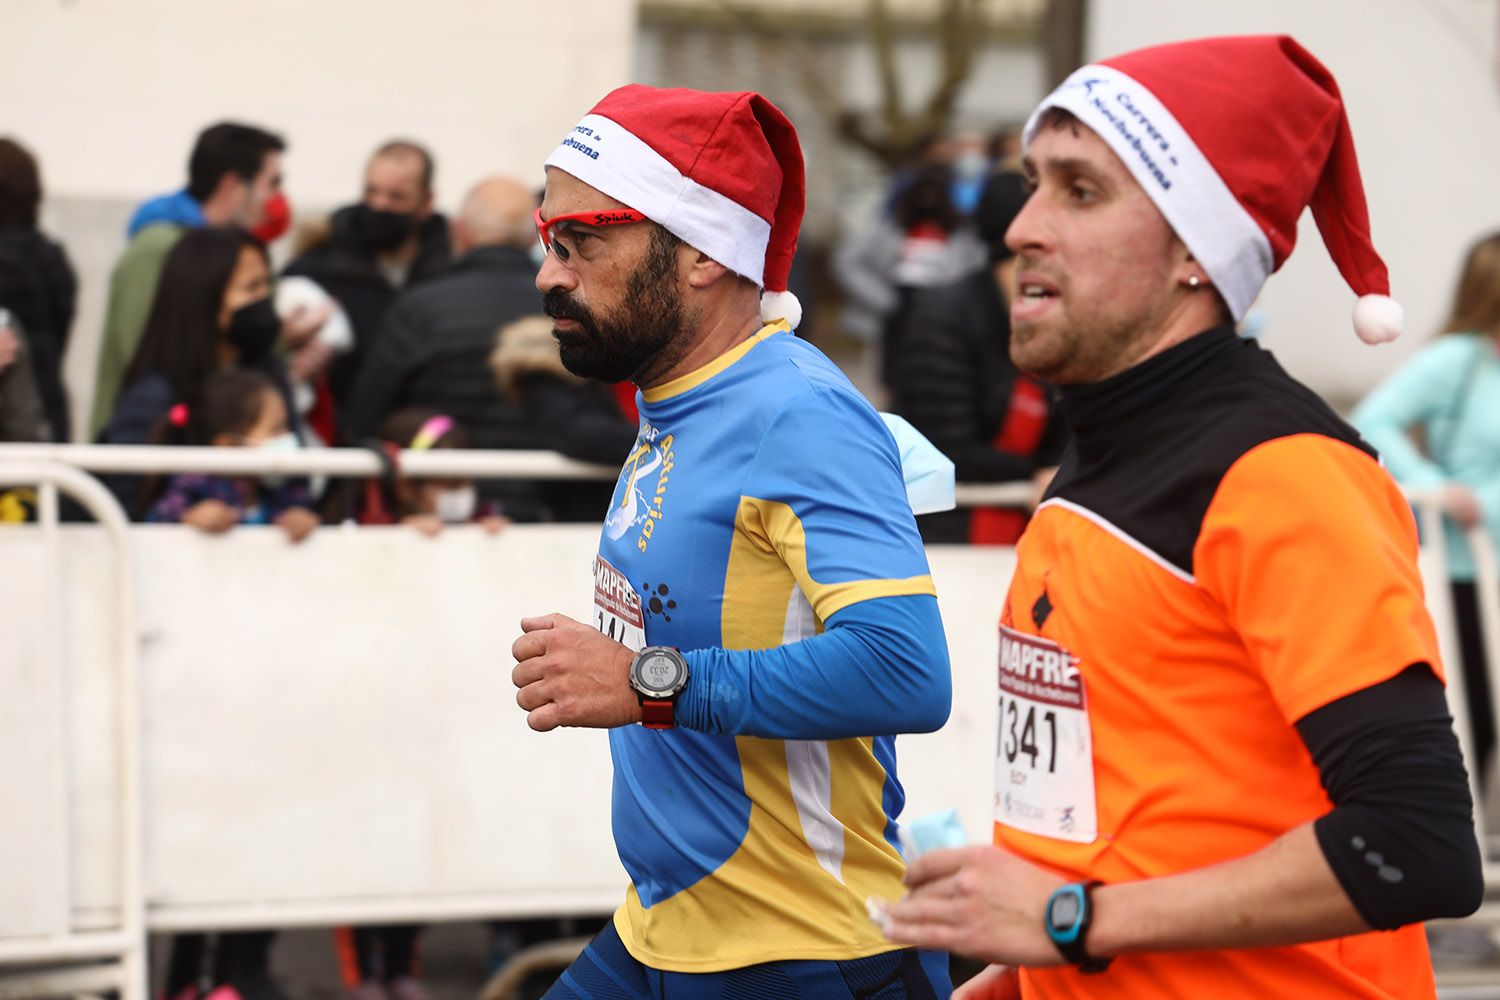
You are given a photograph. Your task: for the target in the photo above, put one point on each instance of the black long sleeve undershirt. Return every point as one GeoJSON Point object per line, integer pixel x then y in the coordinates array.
{"type": "Point", "coordinates": [1400, 838]}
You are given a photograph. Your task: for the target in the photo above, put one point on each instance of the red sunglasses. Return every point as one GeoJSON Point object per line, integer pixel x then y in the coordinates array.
{"type": "Point", "coordinates": [610, 217]}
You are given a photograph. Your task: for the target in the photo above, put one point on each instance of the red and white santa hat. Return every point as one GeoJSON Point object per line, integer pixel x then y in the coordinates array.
{"type": "Point", "coordinates": [720, 171]}
{"type": "Point", "coordinates": [1232, 138]}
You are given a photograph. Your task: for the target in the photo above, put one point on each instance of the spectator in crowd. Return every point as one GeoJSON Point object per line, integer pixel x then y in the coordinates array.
{"type": "Point", "coordinates": [434, 340]}
{"type": "Point", "coordinates": [428, 504]}
{"type": "Point", "coordinates": [433, 343]}
{"type": "Point", "coordinates": [372, 250]}
{"type": "Point", "coordinates": [21, 414]}
{"type": "Point", "coordinates": [233, 170]}
{"type": "Point", "coordinates": [563, 412]}
{"type": "Point", "coordinates": [1448, 395]}
{"type": "Point", "coordinates": [212, 311]}
{"type": "Point", "coordinates": [37, 283]}
{"type": "Point", "coordinates": [425, 504]}
{"type": "Point", "coordinates": [952, 377]}
{"type": "Point", "coordinates": [237, 408]}
{"type": "Point", "coordinates": [924, 242]}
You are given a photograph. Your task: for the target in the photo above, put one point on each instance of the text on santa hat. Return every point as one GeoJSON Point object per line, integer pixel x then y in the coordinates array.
{"type": "Point", "coordinates": [1130, 115]}
{"type": "Point", "coordinates": [588, 151]}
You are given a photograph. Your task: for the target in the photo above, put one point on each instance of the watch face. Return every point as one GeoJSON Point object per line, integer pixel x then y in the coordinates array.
{"type": "Point", "coordinates": [659, 672]}
{"type": "Point", "coordinates": [1064, 911]}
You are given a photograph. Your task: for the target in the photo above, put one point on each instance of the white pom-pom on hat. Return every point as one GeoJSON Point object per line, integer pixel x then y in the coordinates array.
{"type": "Point", "coordinates": [1378, 319]}
{"type": "Point", "coordinates": [780, 305]}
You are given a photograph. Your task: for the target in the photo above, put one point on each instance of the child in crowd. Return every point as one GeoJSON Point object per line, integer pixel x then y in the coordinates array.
{"type": "Point", "coordinates": [428, 504]}
{"type": "Point", "coordinates": [238, 408]}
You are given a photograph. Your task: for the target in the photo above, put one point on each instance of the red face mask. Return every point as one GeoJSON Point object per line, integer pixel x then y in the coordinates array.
{"type": "Point", "coordinates": [276, 219]}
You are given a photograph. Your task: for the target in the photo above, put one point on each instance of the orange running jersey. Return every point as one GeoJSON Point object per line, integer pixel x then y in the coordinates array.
{"type": "Point", "coordinates": [1202, 575]}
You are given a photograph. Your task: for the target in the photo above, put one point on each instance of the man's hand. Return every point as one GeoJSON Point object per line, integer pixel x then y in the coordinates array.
{"type": "Point", "coordinates": [983, 902]}
{"type": "Point", "coordinates": [571, 674]}
{"type": "Point", "coordinates": [996, 982]}
{"type": "Point", "coordinates": [299, 326]}
{"type": "Point", "coordinates": [212, 516]}
{"type": "Point", "coordinates": [309, 361]}
{"type": "Point", "coordinates": [1460, 503]}
{"type": "Point", "coordinates": [297, 522]}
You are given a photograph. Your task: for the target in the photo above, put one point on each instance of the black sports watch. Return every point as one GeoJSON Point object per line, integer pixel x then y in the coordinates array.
{"type": "Point", "coordinates": [658, 674]}
{"type": "Point", "coordinates": [1070, 910]}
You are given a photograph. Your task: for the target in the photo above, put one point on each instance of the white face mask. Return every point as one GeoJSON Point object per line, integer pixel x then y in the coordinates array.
{"type": "Point", "coordinates": [280, 444]}
{"type": "Point", "coordinates": [456, 506]}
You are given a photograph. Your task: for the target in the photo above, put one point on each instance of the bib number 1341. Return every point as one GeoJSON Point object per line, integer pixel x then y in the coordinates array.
{"type": "Point", "coordinates": [1044, 759]}
{"type": "Point", "coordinates": [1028, 735]}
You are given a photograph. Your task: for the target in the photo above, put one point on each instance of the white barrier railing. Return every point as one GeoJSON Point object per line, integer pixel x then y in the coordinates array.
{"type": "Point", "coordinates": [117, 953]}
{"type": "Point", "coordinates": [442, 462]}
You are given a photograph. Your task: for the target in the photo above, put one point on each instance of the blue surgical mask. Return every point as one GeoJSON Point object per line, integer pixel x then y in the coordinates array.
{"type": "Point", "coordinates": [927, 472]}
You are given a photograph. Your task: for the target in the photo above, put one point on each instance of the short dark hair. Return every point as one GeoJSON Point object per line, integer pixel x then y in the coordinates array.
{"type": "Point", "coordinates": [20, 185]}
{"type": "Point", "coordinates": [226, 148]}
{"type": "Point", "coordinates": [181, 339]}
{"type": "Point", "coordinates": [407, 147]}
{"type": "Point", "coordinates": [231, 401]}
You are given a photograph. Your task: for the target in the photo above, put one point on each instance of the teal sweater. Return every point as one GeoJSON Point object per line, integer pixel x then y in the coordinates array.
{"type": "Point", "coordinates": [1449, 392]}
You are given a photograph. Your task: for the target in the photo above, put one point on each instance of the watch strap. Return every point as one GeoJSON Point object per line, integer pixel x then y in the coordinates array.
{"type": "Point", "coordinates": [658, 713]}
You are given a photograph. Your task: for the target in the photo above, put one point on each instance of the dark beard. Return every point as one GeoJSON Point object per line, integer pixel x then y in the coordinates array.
{"type": "Point", "coordinates": [640, 335]}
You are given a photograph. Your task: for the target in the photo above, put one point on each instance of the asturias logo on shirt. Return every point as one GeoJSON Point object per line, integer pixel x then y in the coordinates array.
{"type": "Point", "coordinates": [642, 490]}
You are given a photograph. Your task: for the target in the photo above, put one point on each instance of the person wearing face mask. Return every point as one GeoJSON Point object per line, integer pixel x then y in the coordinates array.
{"type": "Point", "coordinates": [233, 171]}
{"type": "Point", "coordinates": [238, 408]}
{"type": "Point", "coordinates": [212, 311]}
{"type": "Point", "coordinates": [388, 241]}
{"type": "Point", "coordinates": [429, 504]}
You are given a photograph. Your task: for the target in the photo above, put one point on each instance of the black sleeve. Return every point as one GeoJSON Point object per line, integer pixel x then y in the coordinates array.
{"type": "Point", "coordinates": [1400, 838]}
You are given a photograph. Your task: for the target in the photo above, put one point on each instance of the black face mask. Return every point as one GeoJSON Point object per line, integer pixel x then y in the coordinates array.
{"type": "Point", "coordinates": [253, 329]}
{"type": "Point", "coordinates": [380, 231]}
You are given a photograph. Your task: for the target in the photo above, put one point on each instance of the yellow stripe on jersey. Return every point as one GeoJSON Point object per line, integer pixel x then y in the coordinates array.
{"type": "Point", "coordinates": [775, 530]}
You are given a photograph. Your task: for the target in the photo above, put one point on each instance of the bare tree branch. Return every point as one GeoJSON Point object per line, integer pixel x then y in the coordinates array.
{"type": "Point", "coordinates": [895, 135]}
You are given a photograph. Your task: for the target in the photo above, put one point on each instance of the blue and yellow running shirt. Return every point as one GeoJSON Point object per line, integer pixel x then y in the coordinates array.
{"type": "Point", "coordinates": [761, 526]}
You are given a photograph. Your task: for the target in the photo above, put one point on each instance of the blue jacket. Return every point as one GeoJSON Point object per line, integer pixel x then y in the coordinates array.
{"type": "Point", "coordinates": [1450, 392]}
{"type": "Point", "coordinates": [178, 208]}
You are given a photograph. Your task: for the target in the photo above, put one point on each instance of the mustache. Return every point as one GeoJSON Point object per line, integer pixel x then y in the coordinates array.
{"type": "Point", "coordinates": [559, 305]}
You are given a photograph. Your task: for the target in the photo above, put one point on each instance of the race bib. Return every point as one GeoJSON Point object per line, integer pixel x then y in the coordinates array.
{"type": "Point", "coordinates": [617, 607]}
{"type": "Point", "coordinates": [1044, 768]}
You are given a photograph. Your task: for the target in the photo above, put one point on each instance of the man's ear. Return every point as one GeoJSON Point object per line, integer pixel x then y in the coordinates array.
{"type": "Point", "coordinates": [229, 184]}
{"type": "Point", "coordinates": [703, 270]}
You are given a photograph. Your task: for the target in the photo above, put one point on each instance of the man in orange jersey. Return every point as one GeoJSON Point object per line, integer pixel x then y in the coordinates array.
{"type": "Point", "coordinates": [1225, 756]}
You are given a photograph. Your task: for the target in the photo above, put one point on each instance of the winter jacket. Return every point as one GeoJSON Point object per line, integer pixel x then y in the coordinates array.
{"type": "Point", "coordinates": [953, 379]}
{"type": "Point", "coordinates": [21, 414]}
{"type": "Point", "coordinates": [575, 416]}
{"type": "Point", "coordinates": [132, 289]}
{"type": "Point", "coordinates": [345, 269]}
{"type": "Point", "coordinates": [38, 286]}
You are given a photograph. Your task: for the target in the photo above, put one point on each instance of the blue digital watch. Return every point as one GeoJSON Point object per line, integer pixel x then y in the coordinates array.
{"type": "Point", "coordinates": [1069, 912]}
